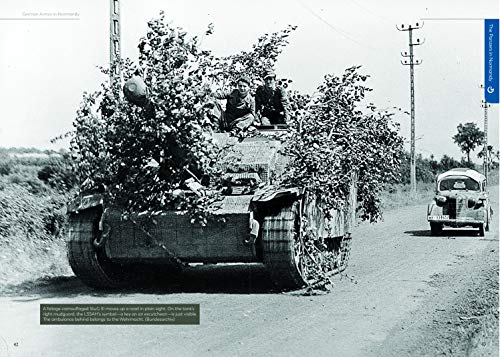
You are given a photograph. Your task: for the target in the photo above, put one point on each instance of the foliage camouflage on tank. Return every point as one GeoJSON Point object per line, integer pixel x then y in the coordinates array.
{"type": "Point", "coordinates": [174, 191]}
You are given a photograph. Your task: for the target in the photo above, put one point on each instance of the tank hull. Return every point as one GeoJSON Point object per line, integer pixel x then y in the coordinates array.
{"type": "Point", "coordinates": [171, 234]}
{"type": "Point", "coordinates": [250, 225]}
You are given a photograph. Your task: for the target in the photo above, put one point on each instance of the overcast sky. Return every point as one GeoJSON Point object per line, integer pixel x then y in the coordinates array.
{"type": "Point", "coordinates": [45, 65]}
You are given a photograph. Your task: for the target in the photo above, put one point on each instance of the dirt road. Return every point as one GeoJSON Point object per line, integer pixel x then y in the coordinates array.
{"type": "Point", "coordinates": [404, 293]}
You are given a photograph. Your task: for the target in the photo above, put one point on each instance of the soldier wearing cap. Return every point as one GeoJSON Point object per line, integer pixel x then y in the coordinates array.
{"type": "Point", "coordinates": [271, 101]}
{"type": "Point", "coordinates": [240, 106]}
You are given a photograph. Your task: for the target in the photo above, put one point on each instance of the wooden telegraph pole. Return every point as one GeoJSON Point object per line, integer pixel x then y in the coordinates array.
{"type": "Point", "coordinates": [411, 61]}
{"type": "Point", "coordinates": [114, 39]}
{"type": "Point", "coordinates": [485, 105]}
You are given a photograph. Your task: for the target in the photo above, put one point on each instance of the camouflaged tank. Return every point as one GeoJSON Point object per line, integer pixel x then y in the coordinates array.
{"type": "Point", "coordinates": [262, 224]}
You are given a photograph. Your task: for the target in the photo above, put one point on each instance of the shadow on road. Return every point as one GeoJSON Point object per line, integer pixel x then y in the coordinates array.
{"type": "Point", "coordinates": [451, 233]}
{"type": "Point", "coordinates": [210, 279]}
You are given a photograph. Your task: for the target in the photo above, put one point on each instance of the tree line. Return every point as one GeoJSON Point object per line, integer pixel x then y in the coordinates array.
{"type": "Point", "coordinates": [468, 138]}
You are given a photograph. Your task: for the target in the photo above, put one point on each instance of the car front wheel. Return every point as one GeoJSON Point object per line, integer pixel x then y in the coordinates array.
{"type": "Point", "coordinates": [436, 228]}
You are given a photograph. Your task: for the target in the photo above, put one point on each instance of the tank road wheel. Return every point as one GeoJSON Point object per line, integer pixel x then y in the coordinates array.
{"type": "Point", "coordinates": [89, 263]}
{"type": "Point", "coordinates": [281, 254]}
{"type": "Point", "coordinates": [436, 228]}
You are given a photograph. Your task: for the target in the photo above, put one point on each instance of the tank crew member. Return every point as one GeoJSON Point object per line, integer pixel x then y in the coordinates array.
{"type": "Point", "coordinates": [240, 106]}
{"type": "Point", "coordinates": [271, 101]}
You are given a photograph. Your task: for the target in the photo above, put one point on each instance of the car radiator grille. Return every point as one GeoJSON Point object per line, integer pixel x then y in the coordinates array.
{"type": "Point", "coordinates": [456, 207]}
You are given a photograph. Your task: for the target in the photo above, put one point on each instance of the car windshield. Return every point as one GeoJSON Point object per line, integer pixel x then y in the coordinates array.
{"type": "Point", "coordinates": [458, 183]}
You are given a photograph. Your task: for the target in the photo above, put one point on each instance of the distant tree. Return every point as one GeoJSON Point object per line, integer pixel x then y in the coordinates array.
{"type": "Point", "coordinates": [434, 165]}
{"type": "Point", "coordinates": [448, 163]}
{"type": "Point", "coordinates": [491, 155]}
{"type": "Point", "coordinates": [495, 155]}
{"type": "Point", "coordinates": [468, 164]}
{"type": "Point", "coordinates": [490, 152]}
{"type": "Point", "coordinates": [426, 168]}
{"type": "Point", "coordinates": [469, 136]}
{"type": "Point", "coordinates": [424, 171]}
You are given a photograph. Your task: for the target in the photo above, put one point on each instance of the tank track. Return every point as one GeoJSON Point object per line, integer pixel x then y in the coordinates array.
{"type": "Point", "coordinates": [88, 263]}
{"type": "Point", "coordinates": [279, 238]}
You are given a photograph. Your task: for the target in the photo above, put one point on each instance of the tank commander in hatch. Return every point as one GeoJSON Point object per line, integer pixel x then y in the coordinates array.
{"type": "Point", "coordinates": [271, 101]}
{"type": "Point", "coordinates": [240, 106]}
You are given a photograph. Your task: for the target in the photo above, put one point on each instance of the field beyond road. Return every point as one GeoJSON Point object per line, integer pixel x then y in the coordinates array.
{"type": "Point", "coordinates": [405, 293]}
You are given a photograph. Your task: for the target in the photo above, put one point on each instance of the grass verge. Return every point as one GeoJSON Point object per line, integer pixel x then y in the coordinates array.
{"type": "Point", "coordinates": [25, 260]}
{"type": "Point", "coordinates": [399, 195]}
{"type": "Point", "coordinates": [481, 319]}
{"type": "Point", "coordinates": [32, 243]}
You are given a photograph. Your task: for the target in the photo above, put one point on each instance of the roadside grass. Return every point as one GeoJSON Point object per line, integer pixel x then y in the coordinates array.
{"type": "Point", "coordinates": [32, 224]}
{"type": "Point", "coordinates": [493, 177]}
{"type": "Point", "coordinates": [399, 195]}
{"type": "Point", "coordinates": [32, 233]}
{"type": "Point", "coordinates": [484, 338]}
{"type": "Point", "coordinates": [478, 316]}
{"type": "Point", "coordinates": [23, 259]}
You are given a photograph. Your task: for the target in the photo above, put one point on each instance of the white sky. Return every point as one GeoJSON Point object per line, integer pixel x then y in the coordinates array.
{"type": "Point", "coordinates": [46, 65]}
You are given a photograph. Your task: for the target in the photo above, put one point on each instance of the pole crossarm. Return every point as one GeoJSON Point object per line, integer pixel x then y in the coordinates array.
{"type": "Point", "coordinates": [418, 43]}
{"type": "Point", "coordinates": [415, 62]}
{"type": "Point", "coordinates": [416, 26]}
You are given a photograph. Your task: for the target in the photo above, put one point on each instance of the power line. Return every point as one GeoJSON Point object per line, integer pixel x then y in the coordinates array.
{"type": "Point", "coordinates": [337, 30]}
{"type": "Point", "coordinates": [369, 11]}
{"type": "Point", "coordinates": [412, 62]}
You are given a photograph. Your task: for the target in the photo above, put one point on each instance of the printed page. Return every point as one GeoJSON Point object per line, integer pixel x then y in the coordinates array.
{"type": "Point", "coordinates": [249, 178]}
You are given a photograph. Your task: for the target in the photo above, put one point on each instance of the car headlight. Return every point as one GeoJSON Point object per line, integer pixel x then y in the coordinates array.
{"type": "Point", "coordinates": [479, 203]}
{"type": "Point", "coordinates": [472, 202]}
{"type": "Point", "coordinates": [440, 200]}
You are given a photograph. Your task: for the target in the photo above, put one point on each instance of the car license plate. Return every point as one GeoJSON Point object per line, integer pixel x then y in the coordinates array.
{"type": "Point", "coordinates": [438, 218]}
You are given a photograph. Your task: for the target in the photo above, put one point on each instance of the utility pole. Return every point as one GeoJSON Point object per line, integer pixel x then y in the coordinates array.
{"type": "Point", "coordinates": [485, 105]}
{"type": "Point", "coordinates": [114, 39]}
{"type": "Point", "coordinates": [411, 61]}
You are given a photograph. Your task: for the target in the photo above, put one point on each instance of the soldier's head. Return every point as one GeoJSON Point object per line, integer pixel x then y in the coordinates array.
{"type": "Point", "coordinates": [244, 85]}
{"type": "Point", "coordinates": [270, 79]}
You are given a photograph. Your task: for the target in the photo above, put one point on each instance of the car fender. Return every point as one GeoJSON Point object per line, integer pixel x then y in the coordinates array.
{"type": "Point", "coordinates": [434, 210]}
